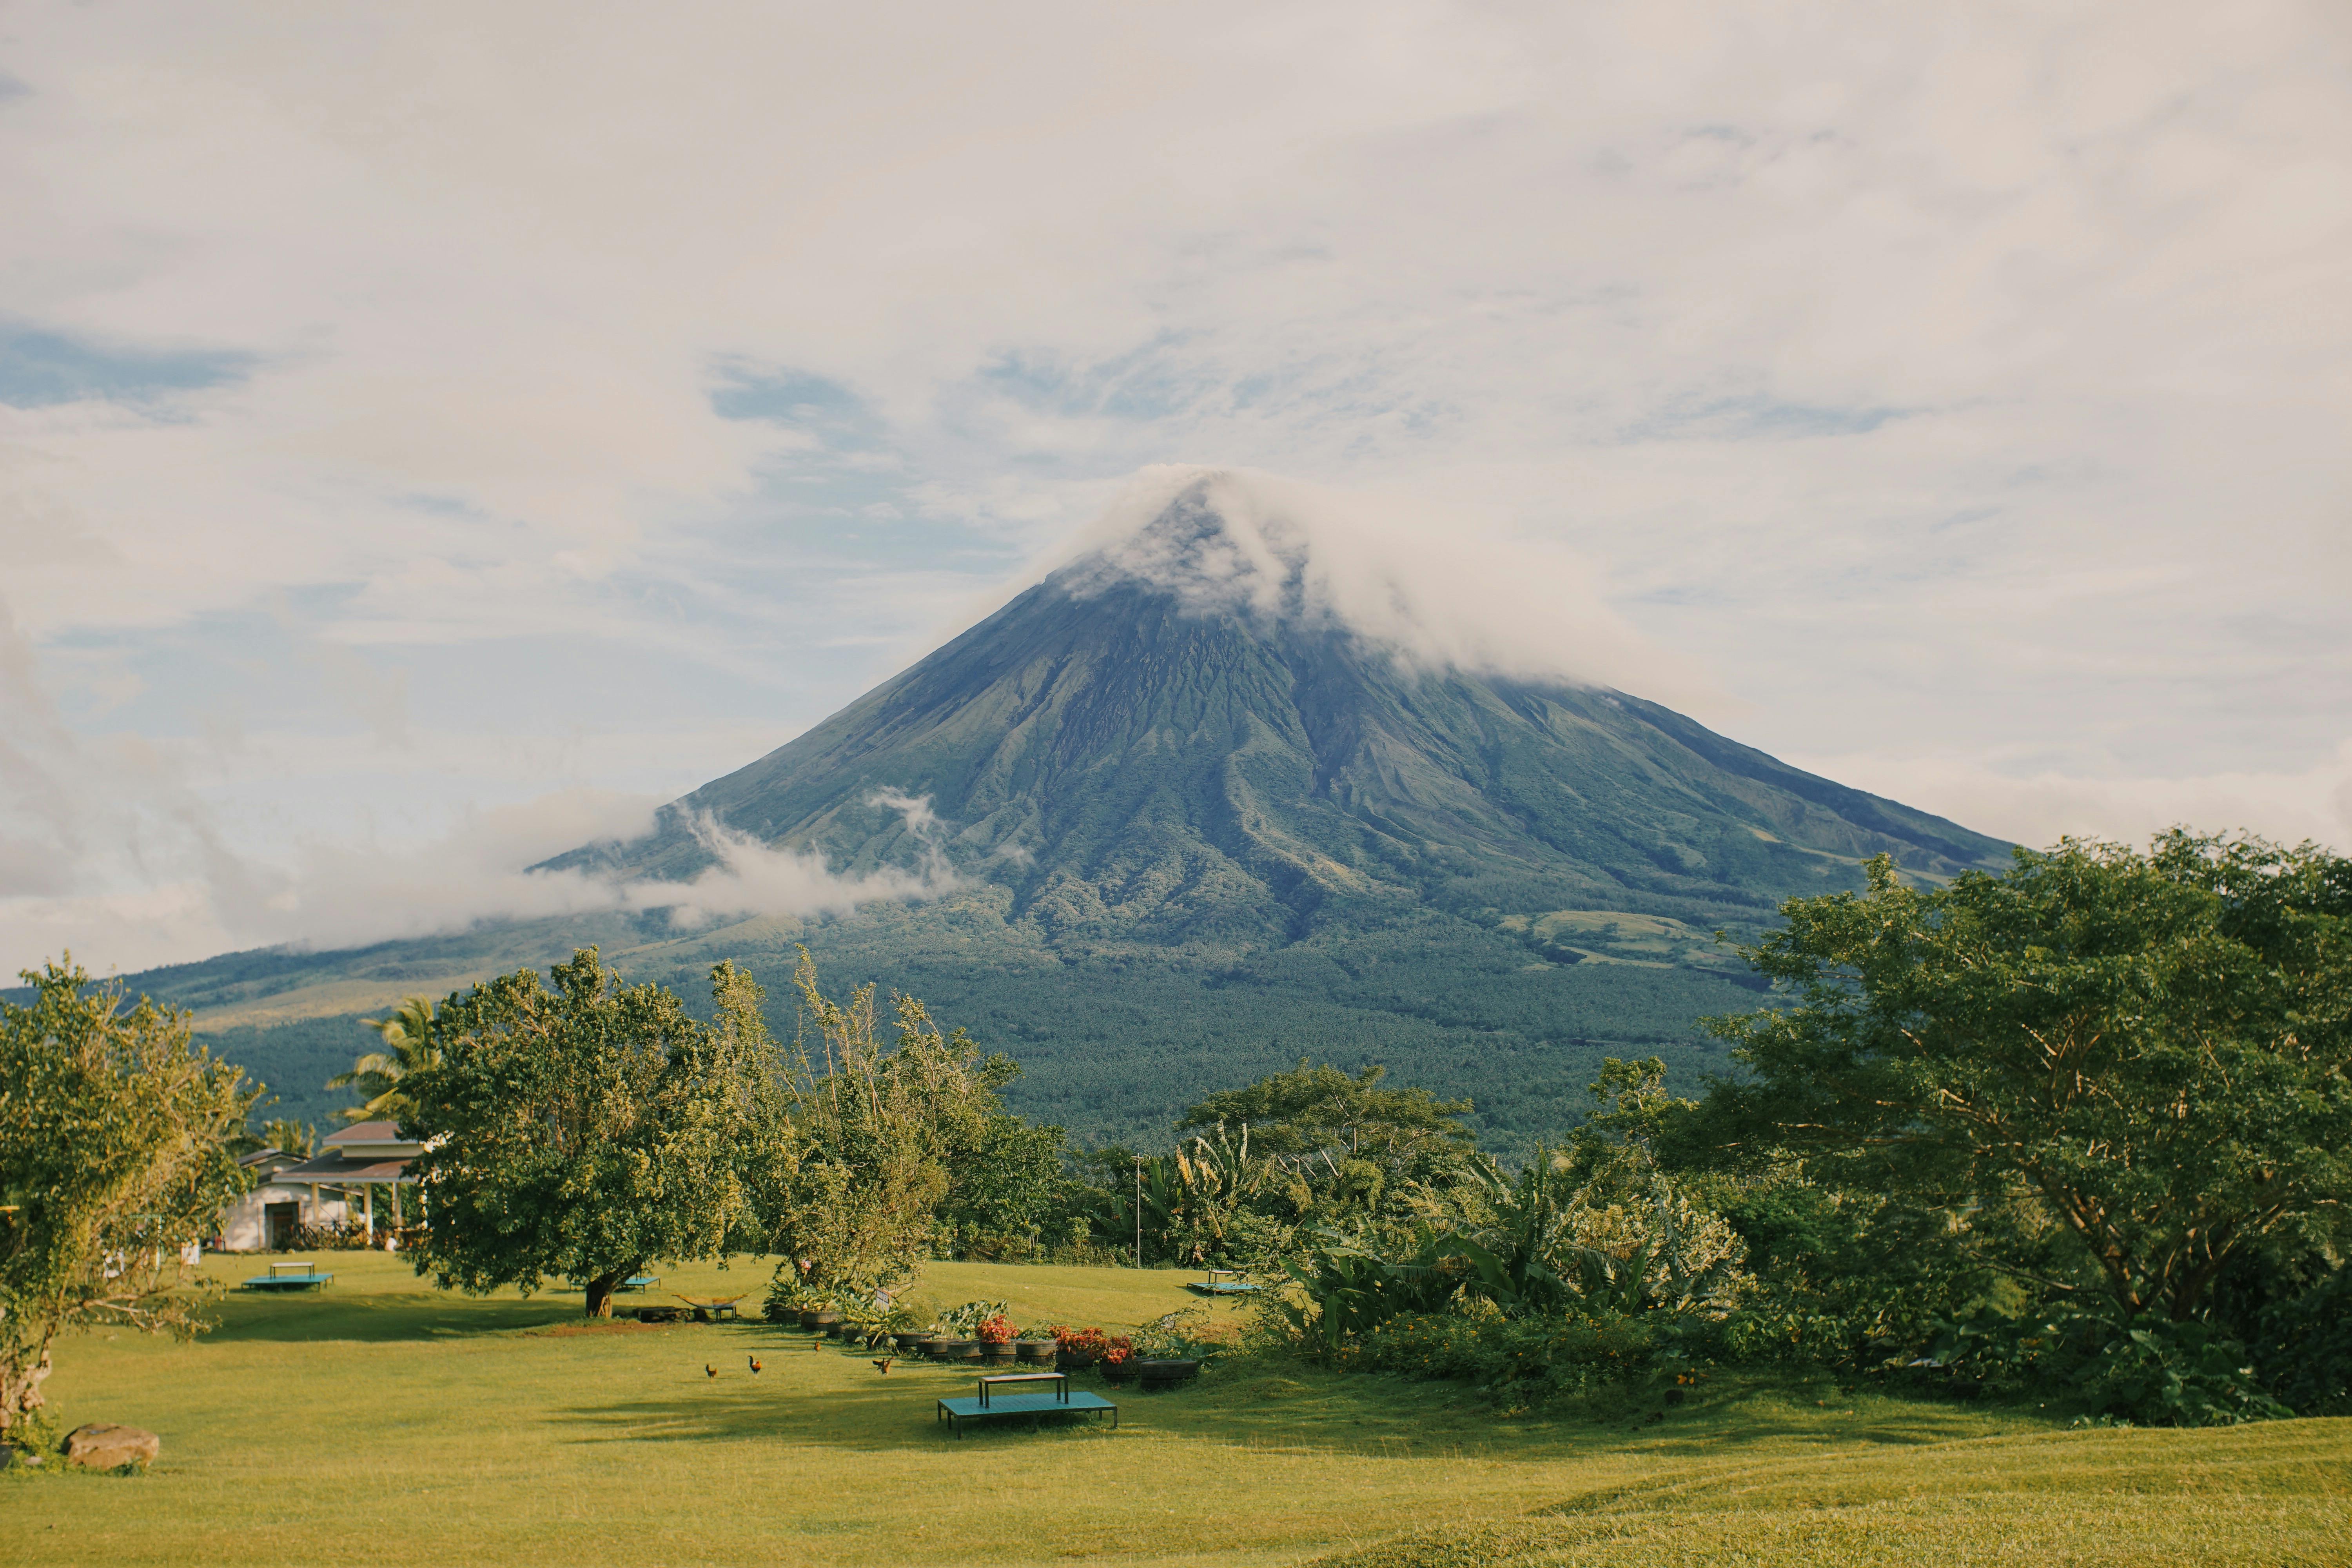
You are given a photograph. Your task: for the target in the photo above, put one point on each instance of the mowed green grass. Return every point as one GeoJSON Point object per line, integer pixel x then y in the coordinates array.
{"type": "Point", "coordinates": [388, 1424]}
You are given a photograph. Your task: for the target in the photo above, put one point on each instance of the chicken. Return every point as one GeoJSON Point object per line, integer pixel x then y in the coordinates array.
{"type": "Point", "coordinates": [709, 1370]}
{"type": "Point", "coordinates": [883, 1366]}
{"type": "Point", "coordinates": [755, 1364]}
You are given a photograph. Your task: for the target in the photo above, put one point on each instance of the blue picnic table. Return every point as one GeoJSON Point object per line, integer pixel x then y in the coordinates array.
{"type": "Point", "coordinates": [995, 1400]}
{"type": "Point", "coordinates": [301, 1276]}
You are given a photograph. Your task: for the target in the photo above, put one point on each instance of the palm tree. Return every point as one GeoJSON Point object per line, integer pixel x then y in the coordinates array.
{"type": "Point", "coordinates": [408, 1047]}
{"type": "Point", "coordinates": [289, 1138]}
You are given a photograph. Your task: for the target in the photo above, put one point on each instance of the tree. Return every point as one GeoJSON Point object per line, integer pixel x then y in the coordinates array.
{"type": "Point", "coordinates": [408, 1047]}
{"type": "Point", "coordinates": [868, 1141]}
{"type": "Point", "coordinates": [290, 1137]}
{"type": "Point", "coordinates": [1348, 1146]}
{"type": "Point", "coordinates": [583, 1131]}
{"type": "Point", "coordinates": [114, 1130]}
{"type": "Point", "coordinates": [2121, 1071]}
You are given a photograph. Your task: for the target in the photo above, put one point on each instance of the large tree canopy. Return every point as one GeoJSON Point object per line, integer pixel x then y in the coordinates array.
{"type": "Point", "coordinates": [2124, 1069]}
{"type": "Point", "coordinates": [114, 1155]}
{"type": "Point", "coordinates": [1315, 1112]}
{"type": "Point", "coordinates": [581, 1132]}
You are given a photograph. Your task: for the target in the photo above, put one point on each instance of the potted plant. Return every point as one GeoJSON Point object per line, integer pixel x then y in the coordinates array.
{"type": "Point", "coordinates": [996, 1335]}
{"type": "Point", "coordinates": [1117, 1359]}
{"type": "Point", "coordinates": [1079, 1349]}
{"type": "Point", "coordinates": [1169, 1352]}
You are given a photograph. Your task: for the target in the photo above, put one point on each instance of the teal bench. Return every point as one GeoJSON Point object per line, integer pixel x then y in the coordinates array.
{"type": "Point", "coordinates": [289, 1276]}
{"type": "Point", "coordinates": [1234, 1283]}
{"type": "Point", "coordinates": [995, 1400]}
{"type": "Point", "coordinates": [638, 1282]}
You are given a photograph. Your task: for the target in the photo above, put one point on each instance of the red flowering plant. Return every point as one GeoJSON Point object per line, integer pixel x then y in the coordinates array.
{"type": "Point", "coordinates": [1088, 1345]}
{"type": "Point", "coordinates": [996, 1328]}
{"type": "Point", "coordinates": [1117, 1350]}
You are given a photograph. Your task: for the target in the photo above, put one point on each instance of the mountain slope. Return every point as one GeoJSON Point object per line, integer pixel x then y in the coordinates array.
{"type": "Point", "coordinates": [1133, 772]}
{"type": "Point", "coordinates": [1176, 818]}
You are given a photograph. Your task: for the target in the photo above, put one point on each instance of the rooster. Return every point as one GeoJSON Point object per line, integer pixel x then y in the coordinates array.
{"type": "Point", "coordinates": [883, 1366]}
{"type": "Point", "coordinates": [755, 1364]}
{"type": "Point", "coordinates": [709, 1370]}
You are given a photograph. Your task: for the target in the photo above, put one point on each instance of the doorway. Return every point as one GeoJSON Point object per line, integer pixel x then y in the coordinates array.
{"type": "Point", "coordinates": [278, 1223]}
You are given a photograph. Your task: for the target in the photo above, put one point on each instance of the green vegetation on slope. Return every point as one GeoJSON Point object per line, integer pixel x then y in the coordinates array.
{"type": "Point", "coordinates": [1114, 1046]}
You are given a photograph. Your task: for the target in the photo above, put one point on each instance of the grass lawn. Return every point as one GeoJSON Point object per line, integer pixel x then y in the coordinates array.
{"type": "Point", "coordinates": [386, 1424]}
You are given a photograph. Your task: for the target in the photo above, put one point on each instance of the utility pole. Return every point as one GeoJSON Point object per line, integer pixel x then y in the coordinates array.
{"type": "Point", "coordinates": [1138, 1211]}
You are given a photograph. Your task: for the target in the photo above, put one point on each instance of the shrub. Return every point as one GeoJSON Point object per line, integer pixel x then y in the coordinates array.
{"type": "Point", "coordinates": [1546, 1355]}
{"type": "Point", "coordinates": [2146, 1370]}
{"type": "Point", "coordinates": [968, 1317]}
{"type": "Point", "coordinates": [2304, 1347]}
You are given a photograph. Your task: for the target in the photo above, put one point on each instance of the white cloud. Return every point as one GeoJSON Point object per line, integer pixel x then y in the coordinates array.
{"type": "Point", "coordinates": [2037, 808]}
{"type": "Point", "coordinates": [1417, 577]}
{"type": "Point", "coordinates": [1945, 383]}
{"type": "Point", "coordinates": [334, 895]}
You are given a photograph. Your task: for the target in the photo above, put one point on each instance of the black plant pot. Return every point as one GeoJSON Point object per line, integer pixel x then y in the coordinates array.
{"type": "Point", "coordinates": [1161, 1372]}
{"type": "Point", "coordinates": [908, 1343]}
{"type": "Point", "coordinates": [1074, 1361]}
{"type": "Point", "coordinates": [999, 1352]}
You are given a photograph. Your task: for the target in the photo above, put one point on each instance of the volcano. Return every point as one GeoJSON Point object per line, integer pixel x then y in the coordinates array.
{"type": "Point", "coordinates": [1181, 812]}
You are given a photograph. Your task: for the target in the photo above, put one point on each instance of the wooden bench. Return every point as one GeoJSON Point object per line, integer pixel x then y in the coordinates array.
{"type": "Point", "coordinates": [995, 1400]}
{"type": "Point", "coordinates": [301, 1276]}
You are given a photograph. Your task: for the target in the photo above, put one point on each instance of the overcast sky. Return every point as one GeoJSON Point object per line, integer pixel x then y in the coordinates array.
{"type": "Point", "coordinates": [430, 433]}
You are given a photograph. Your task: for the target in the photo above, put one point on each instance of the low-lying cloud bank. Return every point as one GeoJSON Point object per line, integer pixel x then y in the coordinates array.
{"type": "Point", "coordinates": [338, 895]}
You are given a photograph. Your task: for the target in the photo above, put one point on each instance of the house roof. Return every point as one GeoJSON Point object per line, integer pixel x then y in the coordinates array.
{"type": "Point", "coordinates": [271, 1158]}
{"type": "Point", "coordinates": [331, 1168]}
{"type": "Point", "coordinates": [366, 1133]}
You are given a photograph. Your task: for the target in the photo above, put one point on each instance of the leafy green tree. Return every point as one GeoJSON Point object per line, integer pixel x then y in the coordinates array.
{"type": "Point", "coordinates": [1346, 1147]}
{"type": "Point", "coordinates": [1316, 1110]}
{"type": "Point", "coordinates": [874, 1140]}
{"type": "Point", "coordinates": [114, 1132]}
{"type": "Point", "coordinates": [2121, 1071]}
{"type": "Point", "coordinates": [408, 1047]}
{"type": "Point", "coordinates": [581, 1130]}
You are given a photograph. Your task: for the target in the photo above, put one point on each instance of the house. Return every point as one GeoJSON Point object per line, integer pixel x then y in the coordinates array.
{"type": "Point", "coordinates": [357, 1173]}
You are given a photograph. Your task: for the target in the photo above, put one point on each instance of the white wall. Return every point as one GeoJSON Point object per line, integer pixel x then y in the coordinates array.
{"type": "Point", "coordinates": [243, 1227]}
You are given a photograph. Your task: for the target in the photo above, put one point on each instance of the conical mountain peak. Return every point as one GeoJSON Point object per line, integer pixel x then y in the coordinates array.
{"type": "Point", "coordinates": [1248, 775]}
{"type": "Point", "coordinates": [1230, 722]}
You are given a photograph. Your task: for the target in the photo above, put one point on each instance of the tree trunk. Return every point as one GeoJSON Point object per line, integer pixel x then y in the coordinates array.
{"type": "Point", "coordinates": [601, 1289]}
{"type": "Point", "coordinates": [21, 1377]}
